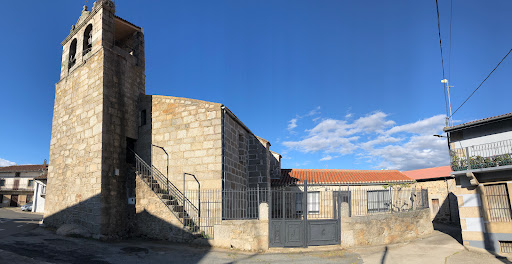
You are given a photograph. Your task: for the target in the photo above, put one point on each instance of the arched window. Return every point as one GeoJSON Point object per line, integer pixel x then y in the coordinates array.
{"type": "Point", "coordinates": [72, 54]}
{"type": "Point", "coordinates": [87, 39]}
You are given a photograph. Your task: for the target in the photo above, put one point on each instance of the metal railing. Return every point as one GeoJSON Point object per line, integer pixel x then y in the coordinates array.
{"type": "Point", "coordinates": [176, 201]}
{"type": "Point", "coordinates": [487, 155]}
{"type": "Point", "coordinates": [322, 201]}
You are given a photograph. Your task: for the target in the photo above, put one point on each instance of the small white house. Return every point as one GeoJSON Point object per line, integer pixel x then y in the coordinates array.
{"type": "Point", "coordinates": [39, 193]}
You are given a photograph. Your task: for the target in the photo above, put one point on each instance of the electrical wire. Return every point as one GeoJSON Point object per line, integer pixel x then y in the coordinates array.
{"type": "Point", "coordinates": [442, 60]}
{"type": "Point", "coordinates": [450, 49]}
{"type": "Point", "coordinates": [482, 82]}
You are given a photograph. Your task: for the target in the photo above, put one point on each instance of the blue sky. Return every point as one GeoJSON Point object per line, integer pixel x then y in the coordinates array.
{"type": "Point", "coordinates": [331, 84]}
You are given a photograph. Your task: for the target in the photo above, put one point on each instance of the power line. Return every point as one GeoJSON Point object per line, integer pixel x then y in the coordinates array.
{"type": "Point", "coordinates": [482, 82]}
{"type": "Point", "coordinates": [450, 49]}
{"type": "Point", "coordinates": [442, 60]}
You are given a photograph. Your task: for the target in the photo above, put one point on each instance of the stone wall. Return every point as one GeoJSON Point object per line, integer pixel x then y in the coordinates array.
{"type": "Point", "coordinates": [74, 171]}
{"type": "Point", "coordinates": [94, 114]}
{"type": "Point", "coordinates": [153, 217]}
{"type": "Point", "coordinates": [190, 132]}
{"type": "Point", "coordinates": [385, 228]}
{"type": "Point", "coordinates": [442, 190]}
{"type": "Point", "coordinates": [241, 234]}
{"type": "Point", "coordinates": [236, 154]}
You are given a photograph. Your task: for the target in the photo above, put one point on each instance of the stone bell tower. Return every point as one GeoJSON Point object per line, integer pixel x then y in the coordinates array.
{"type": "Point", "coordinates": [95, 121]}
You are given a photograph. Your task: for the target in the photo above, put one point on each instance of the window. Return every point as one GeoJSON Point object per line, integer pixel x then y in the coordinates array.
{"type": "Point", "coordinates": [30, 183]}
{"type": "Point", "coordinates": [143, 117]}
{"type": "Point", "coordinates": [498, 203]}
{"type": "Point", "coordinates": [29, 198]}
{"type": "Point", "coordinates": [72, 54]}
{"type": "Point", "coordinates": [17, 174]}
{"type": "Point", "coordinates": [87, 43]}
{"type": "Point", "coordinates": [505, 246]}
{"type": "Point", "coordinates": [313, 203]}
{"type": "Point", "coordinates": [378, 201]}
{"type": "Point", "coordinates": [2, 182]}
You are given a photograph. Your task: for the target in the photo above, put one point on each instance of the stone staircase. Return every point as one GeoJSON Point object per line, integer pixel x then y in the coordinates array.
{"type": "Point", "coordinates": [184, 210]}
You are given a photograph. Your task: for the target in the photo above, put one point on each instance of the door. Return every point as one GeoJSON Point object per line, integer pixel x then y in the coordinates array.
{"type": "Point", "coordinates": [435, 206]}
{"type": "Point", "coordinates": [14, 200]}
{"type": "Point", "coordinates": [16, 184]}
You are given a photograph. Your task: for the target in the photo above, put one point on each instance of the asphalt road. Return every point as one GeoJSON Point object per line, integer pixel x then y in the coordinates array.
{"type": "Point", "coordinates": [22, 243]}
{"type": "Point", "coordinates": [13, 221]}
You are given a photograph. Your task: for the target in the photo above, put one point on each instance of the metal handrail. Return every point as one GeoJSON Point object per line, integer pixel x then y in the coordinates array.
{"type": "Point", "coordinates": [152, 172]}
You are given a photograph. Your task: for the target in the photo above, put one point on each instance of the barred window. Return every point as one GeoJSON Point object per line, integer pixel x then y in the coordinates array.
{"type": "Point", "coordinates": [498, 203]}
{"type": "Point", "coordinates": [313, 203]}
{"type": "Point", "coordinates": [378, 201]}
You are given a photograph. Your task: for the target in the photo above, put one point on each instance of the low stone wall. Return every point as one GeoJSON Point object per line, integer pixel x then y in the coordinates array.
{"type": "Point", "coordinates": [154, 219]}
{"type": "Point", "coordinates": [241, 234]}
{"type": "Point", "coordinates": [385, 228]}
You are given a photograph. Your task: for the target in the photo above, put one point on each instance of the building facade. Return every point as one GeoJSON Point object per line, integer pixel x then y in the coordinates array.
{"type": "Point", "coordinates": [441, 187]}
{"type": "Point", "coordinates": [17, 183]}
{"type": "Point", "coordinates": [481, 161]}
{"type": "Point", "coordinates": [116, 151]}
{"type": "Point", "coordinates": [39, 193]}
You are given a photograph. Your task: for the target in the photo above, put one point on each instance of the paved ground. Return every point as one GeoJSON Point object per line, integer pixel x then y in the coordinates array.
{"type": "Point", "coordinates": [13, 220]}
{"type": "Point", "coordinates": [43, 246]}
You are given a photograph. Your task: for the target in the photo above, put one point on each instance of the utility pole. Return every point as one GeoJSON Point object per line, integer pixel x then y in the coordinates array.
{"type": "Point", "coordinates": [449, 101]}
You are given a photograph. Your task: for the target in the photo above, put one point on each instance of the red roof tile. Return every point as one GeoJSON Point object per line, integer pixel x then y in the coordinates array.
{"type": "Point", "coordinates": [42, 177]}
{"type": "Point", "coordinates": [429, 173]}
{"type": "Point", "coordinates": [324, 176]}
{"type": "Point", "coordinates": [23, 168]}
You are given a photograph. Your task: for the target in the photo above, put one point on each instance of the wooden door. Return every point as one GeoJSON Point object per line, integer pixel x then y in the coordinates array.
{"type": "Point", "coordinates": [435, 206]}
{"type": "Point", "coordinates": [16, 185]}
{"type": "Point", "coordinates": [14, 200]}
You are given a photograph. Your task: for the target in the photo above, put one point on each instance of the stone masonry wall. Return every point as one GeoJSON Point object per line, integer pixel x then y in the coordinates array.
{"type": "Point", "coordinates": [74, 172]}
{"type": "Point", "coordinates": [190, 132]}
{"type": "Point", "coordinates": [95, 110]}
{"type": "Point", "coordinates": [153, 217]}
{"type": "Point", "coordinates": [385, 228]}
{"type": "Point", "coordinates": [249, 235]}
{"type": "Point", "coordinates": [443, 191]}
{"type": "Point", "coordinates": [236, 154]}
{"type": "Point", "coordinates": [123, 84]}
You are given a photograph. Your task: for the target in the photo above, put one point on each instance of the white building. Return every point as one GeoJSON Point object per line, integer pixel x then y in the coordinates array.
{"type": "Point", "coordinates": [17, 183]}
{"type": "Point", "coordinates": [39, 193]}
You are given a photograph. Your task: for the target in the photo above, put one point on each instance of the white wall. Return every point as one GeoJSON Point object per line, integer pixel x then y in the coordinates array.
{"type": "Point", "coordinates": [38, 200]}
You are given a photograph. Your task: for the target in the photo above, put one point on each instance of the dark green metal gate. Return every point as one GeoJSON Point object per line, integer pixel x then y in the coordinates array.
{"type": "Point", "coordinates": [300, 217]}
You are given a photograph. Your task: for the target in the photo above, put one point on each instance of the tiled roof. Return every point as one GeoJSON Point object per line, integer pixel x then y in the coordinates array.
{"type": "Point", "coordinates": [42, 177]}
{"type": "Point", "coordinates": [476, 122]}
{"type": "Point", "coordinates": [325, 176]}
{"type": "Point", "coordinates": [429, 173]}
{"type": "Point", "coordinates": [23, 168]}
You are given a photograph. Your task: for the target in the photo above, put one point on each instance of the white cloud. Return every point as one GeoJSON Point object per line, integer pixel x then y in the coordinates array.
{"type": "Point", "coordinates": [292, 124]}
{"type": "Point", "coordinates": [349, 115]}
{"type": "Point", "coordinates": [5, 163]}
{"type": "Point", "coordinates": [378, 140]}
{"type": "Point", "coordinates": [313, 112]}
{"type": "Point", "coordinates": [328, 157]}
{"type": "Point", "coordinates": [429, 125]}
